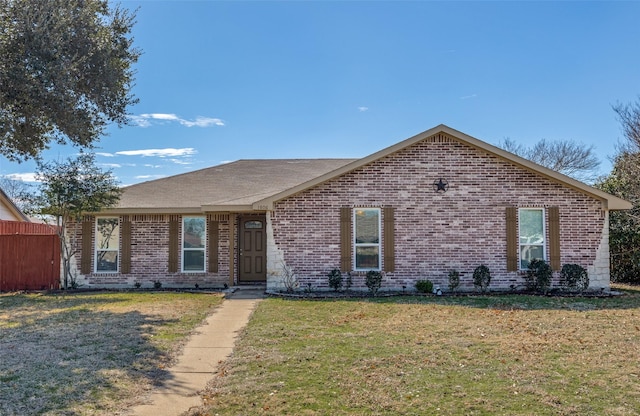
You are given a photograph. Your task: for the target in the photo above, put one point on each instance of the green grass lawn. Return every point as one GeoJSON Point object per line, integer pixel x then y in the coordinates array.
{"type": "Point", "coordinates": [94, 353]}
{"type": "Point", "coordinates": [502, 355]}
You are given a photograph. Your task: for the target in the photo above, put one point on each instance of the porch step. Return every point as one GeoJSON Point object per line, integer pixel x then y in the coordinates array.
{"type": "Point", "coordinates": [247, 292]}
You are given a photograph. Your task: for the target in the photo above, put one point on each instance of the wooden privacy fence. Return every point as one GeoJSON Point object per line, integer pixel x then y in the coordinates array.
{"type": "Point", "coordinates": [29, 257]}
{"type": "Point", "coordinates": [16, 227]}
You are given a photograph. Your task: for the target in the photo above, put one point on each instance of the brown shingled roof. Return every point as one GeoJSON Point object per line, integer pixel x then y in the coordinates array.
{"type": "Point", "coordinates": [231, 186]}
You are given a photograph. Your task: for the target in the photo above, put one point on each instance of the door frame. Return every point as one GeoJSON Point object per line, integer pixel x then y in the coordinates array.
{"type": "Point", "coordinates": [241, 220]}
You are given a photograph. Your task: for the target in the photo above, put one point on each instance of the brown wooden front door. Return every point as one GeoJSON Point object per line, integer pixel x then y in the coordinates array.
{"type": "Point", "coordinates": [252, 249]}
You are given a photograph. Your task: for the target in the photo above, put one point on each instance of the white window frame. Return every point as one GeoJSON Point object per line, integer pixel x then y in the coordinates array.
{"type": "Point", "coordinates": [203, 248]}
{"type": "Point", "coordinates": [97, 249]}
{"type": "Point", "coordinates": [544, 235]}
{"type": "Point", "coordinates": [356, 244]}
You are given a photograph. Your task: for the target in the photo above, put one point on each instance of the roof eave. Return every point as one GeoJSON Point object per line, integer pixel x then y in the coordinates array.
{"type": "Point", "coordinates": [618, 204]}
{"type": "Point", "coordinates": [13, 208]}
{"type": "Point", "coordinates": [134, 211]}
{"type": "Point", "coordinates": [228, 208]}
{"type": "Point", "coordinates": [183, 211]}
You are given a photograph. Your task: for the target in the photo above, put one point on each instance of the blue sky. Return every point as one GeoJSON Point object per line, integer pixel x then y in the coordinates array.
{"type": "Point", "coordinates": [227, 80]}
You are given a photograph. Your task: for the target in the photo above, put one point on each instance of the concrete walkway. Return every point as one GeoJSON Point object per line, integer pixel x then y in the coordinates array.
{"type": "Point", "coordinates": [212, 344]}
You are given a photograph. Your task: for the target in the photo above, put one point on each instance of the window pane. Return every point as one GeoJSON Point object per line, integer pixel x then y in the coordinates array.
{"type": "Point", "coordinates": [528, 253]}
{"type": "Point", "coordinates": [367, 257]}
{"type": "Point", "coordinates": [531, 229]}
{"type": "Point", "coordinates": [253, 224]}
{"type": "Point", "coordinates": [367, 226]}
{"type": "Point", "coordinates": [108, 232]}
{"type": "Point", "coordinates": [107, 261]}
{"type": "Point", "coordinates": [193, 233]}
{"type": "Point", "coordinates": [194, 260]}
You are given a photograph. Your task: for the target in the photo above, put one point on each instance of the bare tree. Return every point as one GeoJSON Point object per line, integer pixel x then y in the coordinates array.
{"type": "Point", "coordinates": [17, 190]}
{"type": "Point", "coordinates": [629, 117]}
{"type": "Point", "coordinates": [624, 179]}
{"type": "Point", "coordinates": [565, 156]}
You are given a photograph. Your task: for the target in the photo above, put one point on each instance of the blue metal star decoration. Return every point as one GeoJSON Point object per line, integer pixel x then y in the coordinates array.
{"type": "Point", "coordinates": [440, 185]}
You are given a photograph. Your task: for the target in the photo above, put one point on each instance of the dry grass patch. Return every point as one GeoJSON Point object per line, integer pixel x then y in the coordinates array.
{"type": "Point", "coordinates": [507, 355]}
{"type": "Point", "coordinates": [90, 353]}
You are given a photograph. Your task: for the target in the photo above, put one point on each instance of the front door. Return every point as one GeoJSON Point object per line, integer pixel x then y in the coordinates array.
{"type": "Point", "coordinates": [252, 249]}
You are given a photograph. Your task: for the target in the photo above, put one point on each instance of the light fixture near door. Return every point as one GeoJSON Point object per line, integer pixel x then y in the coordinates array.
{"type": "Point", "coordinates": [440, 185]}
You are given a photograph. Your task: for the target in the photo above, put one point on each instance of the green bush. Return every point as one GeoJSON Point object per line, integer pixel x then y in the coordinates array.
{"type": "Point", "coordinates": [624, 226]}
{"type": "Point", "coordinates": [424, 286]}
{"type": "Point", "coordinates": [574, 277]}
{"type": "Point", "coordinates": [335, 279]}
{"type": "Point", "coordinates": [539, 275]}
{"type": "Point", "coordinates": [454, 280]}
{"type": "Point", "coordinates": [374, 281]}
{"type": "Point", "coordinates": [481, 278]}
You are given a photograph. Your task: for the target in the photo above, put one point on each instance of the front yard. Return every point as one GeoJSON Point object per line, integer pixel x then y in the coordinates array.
{"type": "Point", "coordinates": [502, 355]}
{"type": "Point", "coordinates": [482, 355]}
{"type": "Point", "coordinates": [92, 354]}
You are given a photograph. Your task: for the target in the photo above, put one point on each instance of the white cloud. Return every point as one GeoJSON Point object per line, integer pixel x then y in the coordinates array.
{"type": "Point", "coordinates": [150, 176]}
{"type": "Point", "coordinates": [363, 109]}
{"type": "Point", "coordinates": [149, 165]}
{"type": "Point", "coordinates": [111, 165]}
{"type": "Point", "coordinates": [25, 177]}
{"type": "Point", "coordinates": [202, 122]}
{"type": "Point", "coordinates": [140, 121]}
{"type": "Point", "coordinates": [181, 162]}
{"type": "Point", "coordinates": [160, 116]}
{"type": "Point", "coordinates": [466, 97]}
{"type": "Point", "coordinates": [105, 154]}
{"type": "Point", "coordinates": [168, 152]}
{"type": "Point", "coordinates": [145, 120]}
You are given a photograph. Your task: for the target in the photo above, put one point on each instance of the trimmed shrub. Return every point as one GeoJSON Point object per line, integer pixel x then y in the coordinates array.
{"type": "Point", "coordinates": [482, 278]}
{"type": "Point", "coordinates": [335, 279]}
{"type": "Point", "coordinates": [539, 275]}
{"type": "Point", "coordinates": [424, 286]}
{"type": "Point", "coordinates": [574, 277]}
{"type": "Point", "coordinates": [454, 280]}
{"type": "Point", "coordinates": [374, 281]}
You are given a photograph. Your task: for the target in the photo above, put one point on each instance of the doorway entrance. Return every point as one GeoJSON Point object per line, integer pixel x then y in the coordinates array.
{"type": "Point", "coordinates": [252, 247]}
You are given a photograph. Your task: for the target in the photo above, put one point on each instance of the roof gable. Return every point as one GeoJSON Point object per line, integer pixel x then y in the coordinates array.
{"type": "Point", "coordinates": [7, 205]}
{"type": "Point", "coordinates": [609, 201]}
{"type": "Point", "coordinates": [254, 185]}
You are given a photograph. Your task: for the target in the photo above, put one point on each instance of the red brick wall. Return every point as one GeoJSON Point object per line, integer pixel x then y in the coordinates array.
{"type": "Point", "coordinates": [435, 232]}
{"type": "Point", "coordinates": [149, 257]}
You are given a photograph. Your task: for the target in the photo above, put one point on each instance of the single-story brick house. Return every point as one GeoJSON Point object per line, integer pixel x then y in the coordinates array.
{"type": "Point", "coordinates": [435, 202]}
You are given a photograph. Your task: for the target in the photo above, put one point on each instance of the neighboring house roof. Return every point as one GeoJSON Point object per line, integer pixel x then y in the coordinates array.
{"type": "Point", "coordinates": [254, 185]}
{"type": "Point", "coordinates": [232, 186]}
{"type": "Point", "coordinates": [9, 210]}
{"type": "Point", "coordinates": [609, 201]}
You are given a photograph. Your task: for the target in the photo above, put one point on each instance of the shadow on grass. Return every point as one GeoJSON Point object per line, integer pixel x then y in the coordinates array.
{"type": "Point", "coordinates": [47, 302]}
{"type": "Point", "coordinates": [629, 298]}
{"type": "Point", "coordinates": [64, 357]}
